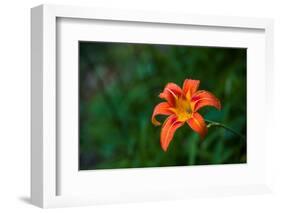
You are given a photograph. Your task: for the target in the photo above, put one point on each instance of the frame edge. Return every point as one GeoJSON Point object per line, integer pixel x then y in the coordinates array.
{"type": "Point", "coordinates": [37, 106]}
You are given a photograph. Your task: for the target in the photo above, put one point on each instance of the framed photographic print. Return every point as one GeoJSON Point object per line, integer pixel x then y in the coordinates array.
{"type": "Point", "coordinates": [132, 105]}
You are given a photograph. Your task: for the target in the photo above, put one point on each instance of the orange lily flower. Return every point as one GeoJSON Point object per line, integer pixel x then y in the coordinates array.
{"type": "Point", "coordinates": [181, 106]}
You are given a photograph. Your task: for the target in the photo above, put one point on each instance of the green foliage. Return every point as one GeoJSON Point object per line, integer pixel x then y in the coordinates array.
{"type": "Point", "coordinates": [119, 87]}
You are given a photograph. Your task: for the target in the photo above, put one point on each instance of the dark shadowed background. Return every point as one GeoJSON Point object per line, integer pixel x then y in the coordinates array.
{"type": "Point", "coordinates": [119, 85]}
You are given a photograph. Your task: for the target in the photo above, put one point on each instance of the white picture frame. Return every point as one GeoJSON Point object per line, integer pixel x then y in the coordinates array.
{"type": "Point", "coordinates": [48, 168]}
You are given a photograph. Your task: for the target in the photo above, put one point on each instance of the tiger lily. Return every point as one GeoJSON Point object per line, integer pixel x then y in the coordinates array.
{"type": "Point", "coordinates": [181, 106]}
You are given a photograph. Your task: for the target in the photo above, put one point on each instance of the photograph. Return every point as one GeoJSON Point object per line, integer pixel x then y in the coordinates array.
{"type": "Point", "coordinates": [161, 105]}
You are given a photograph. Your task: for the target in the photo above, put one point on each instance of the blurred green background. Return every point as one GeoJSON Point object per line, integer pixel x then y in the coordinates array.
{"type": "Point", "coordinates": [119, 85]}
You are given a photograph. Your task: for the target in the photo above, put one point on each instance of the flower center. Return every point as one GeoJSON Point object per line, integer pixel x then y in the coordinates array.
{"type": "Point", "coordinates": [183, 109]}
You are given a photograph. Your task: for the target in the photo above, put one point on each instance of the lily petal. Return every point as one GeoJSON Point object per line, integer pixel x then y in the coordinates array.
{"type": "Point", "coordinates": [197, 123]}
{"type": "Point", "coordinates": [190, 86]}
{"type": "Point", "coordinates": [171, 93]}
{"type": "Point", "coordinates": [168, 130]}
{"type": "Point", "coordinates": [203, 98]}
{"type": "Point", "coordinates": [160, 109]}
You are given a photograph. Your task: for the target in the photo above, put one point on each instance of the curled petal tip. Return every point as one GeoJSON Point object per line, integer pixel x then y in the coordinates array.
{"type": "Point", "coordinates": [160, 109]}
{"type": "Point", "coordinates": [155, 122]}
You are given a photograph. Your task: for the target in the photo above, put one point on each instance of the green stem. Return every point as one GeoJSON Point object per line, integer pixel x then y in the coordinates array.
{"type": "Point", "coordinates": [217, 124]}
